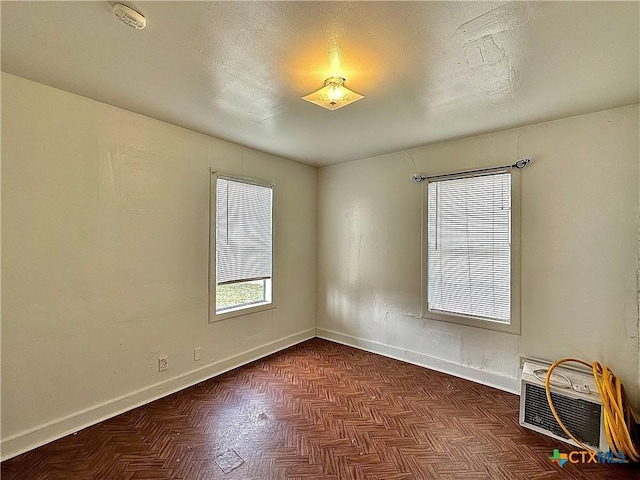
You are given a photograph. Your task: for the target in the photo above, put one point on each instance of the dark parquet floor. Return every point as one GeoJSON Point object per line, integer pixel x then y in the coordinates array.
{"type": "Point", "coordinates": [318, 411]}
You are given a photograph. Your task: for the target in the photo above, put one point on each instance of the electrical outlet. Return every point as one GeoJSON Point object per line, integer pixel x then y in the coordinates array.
{"type": "Point", "coordinates": [163, 364]}
{"type": "Point", "coordinates": [196, 354]}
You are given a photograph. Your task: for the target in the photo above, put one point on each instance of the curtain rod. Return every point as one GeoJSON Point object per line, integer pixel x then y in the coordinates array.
{"type": "Point", "coordinates": [520, 164]}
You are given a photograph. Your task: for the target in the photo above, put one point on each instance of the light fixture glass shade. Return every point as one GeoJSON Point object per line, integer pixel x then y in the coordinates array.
{"type": "Point", "coordinates": [333, 95]}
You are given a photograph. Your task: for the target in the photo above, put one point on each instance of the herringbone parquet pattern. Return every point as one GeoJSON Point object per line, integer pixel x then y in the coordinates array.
{"type": "Point", "coordinates": [319, 411]}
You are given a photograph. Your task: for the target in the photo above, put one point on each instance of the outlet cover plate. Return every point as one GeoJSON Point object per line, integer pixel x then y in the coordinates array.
{"type": "Point", "coordinates": [163, 364]}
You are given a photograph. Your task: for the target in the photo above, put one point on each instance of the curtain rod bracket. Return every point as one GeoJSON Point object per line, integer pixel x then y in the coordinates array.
{"type": "Point", "coordinates": [520, 164]}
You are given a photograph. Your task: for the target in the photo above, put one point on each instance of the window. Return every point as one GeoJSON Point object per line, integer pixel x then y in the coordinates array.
{"type": "Point", "coordinates": [242, 251]}
{"type": "Point", "coordinates": [472, 267]}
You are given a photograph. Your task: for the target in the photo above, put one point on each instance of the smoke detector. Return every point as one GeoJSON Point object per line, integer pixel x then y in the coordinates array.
{"type": "Point", "coordinates": [129, 16]}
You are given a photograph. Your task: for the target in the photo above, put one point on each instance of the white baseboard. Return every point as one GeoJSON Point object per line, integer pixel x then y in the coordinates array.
{"type": "Point", "coordinates": [494, 380]}
{"type": "Point", "coordinates": [61, 427]}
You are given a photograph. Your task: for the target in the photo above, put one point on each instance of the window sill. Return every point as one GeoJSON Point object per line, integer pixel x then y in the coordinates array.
{"type": "Point", "coordinates": [241, 311]}
{"type": "Point", "coordinates": [486, 324]}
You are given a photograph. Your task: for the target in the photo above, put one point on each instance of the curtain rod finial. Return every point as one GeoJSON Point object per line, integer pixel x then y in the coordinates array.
{"type": "Point", "coordinates": [523, 162]}
{"type": "Point", "coordinates": [416, 177]}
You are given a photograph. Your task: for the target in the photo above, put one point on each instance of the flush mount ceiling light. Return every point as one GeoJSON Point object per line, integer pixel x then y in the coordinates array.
{"type": "Point", "coordinates": [333, 95]}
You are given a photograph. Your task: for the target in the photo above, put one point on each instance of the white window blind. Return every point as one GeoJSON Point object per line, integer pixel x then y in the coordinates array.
{"type": "Point", "coordinates": [469, 246]}
{"type": "Point", "coordinates": [243, 231]}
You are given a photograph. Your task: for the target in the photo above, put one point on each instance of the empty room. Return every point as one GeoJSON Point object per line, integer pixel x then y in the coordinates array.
{"type": "Point", "coordinates": [320, 240]}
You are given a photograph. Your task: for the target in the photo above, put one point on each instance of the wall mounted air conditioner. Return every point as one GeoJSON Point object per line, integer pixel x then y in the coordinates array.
{"type": "Point", "coordinates": [575, 398]}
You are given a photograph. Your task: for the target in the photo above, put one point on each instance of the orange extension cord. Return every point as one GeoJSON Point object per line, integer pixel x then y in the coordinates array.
{"type": "Point", "coordinates": [619, 419]}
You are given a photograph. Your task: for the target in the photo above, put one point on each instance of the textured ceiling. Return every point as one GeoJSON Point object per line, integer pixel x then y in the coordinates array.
{"type": "Point", "coordinates": [430, 71]}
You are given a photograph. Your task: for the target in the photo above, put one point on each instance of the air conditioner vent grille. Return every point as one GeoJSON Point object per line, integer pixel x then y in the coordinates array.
{"type": "Point", "coordinates": [581, 417]}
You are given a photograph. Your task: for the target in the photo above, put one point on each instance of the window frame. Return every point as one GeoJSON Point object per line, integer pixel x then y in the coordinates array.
{"type": "Point", "coordinates": [514, 325]}
{"type": "Point", "coordinates": [249, 309]}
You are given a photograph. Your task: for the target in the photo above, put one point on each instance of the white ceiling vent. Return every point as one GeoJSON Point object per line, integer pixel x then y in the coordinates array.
{"type": "Point", "coordinates": [129, 16]}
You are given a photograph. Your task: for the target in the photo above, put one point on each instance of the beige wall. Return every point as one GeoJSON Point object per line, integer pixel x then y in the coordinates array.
{"type": "Point", "coordinates": [579, 250]}
{"type": "Point", "coordinates": [105, 238]}
{"type": "Point", "coordinates": [105, 218]}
